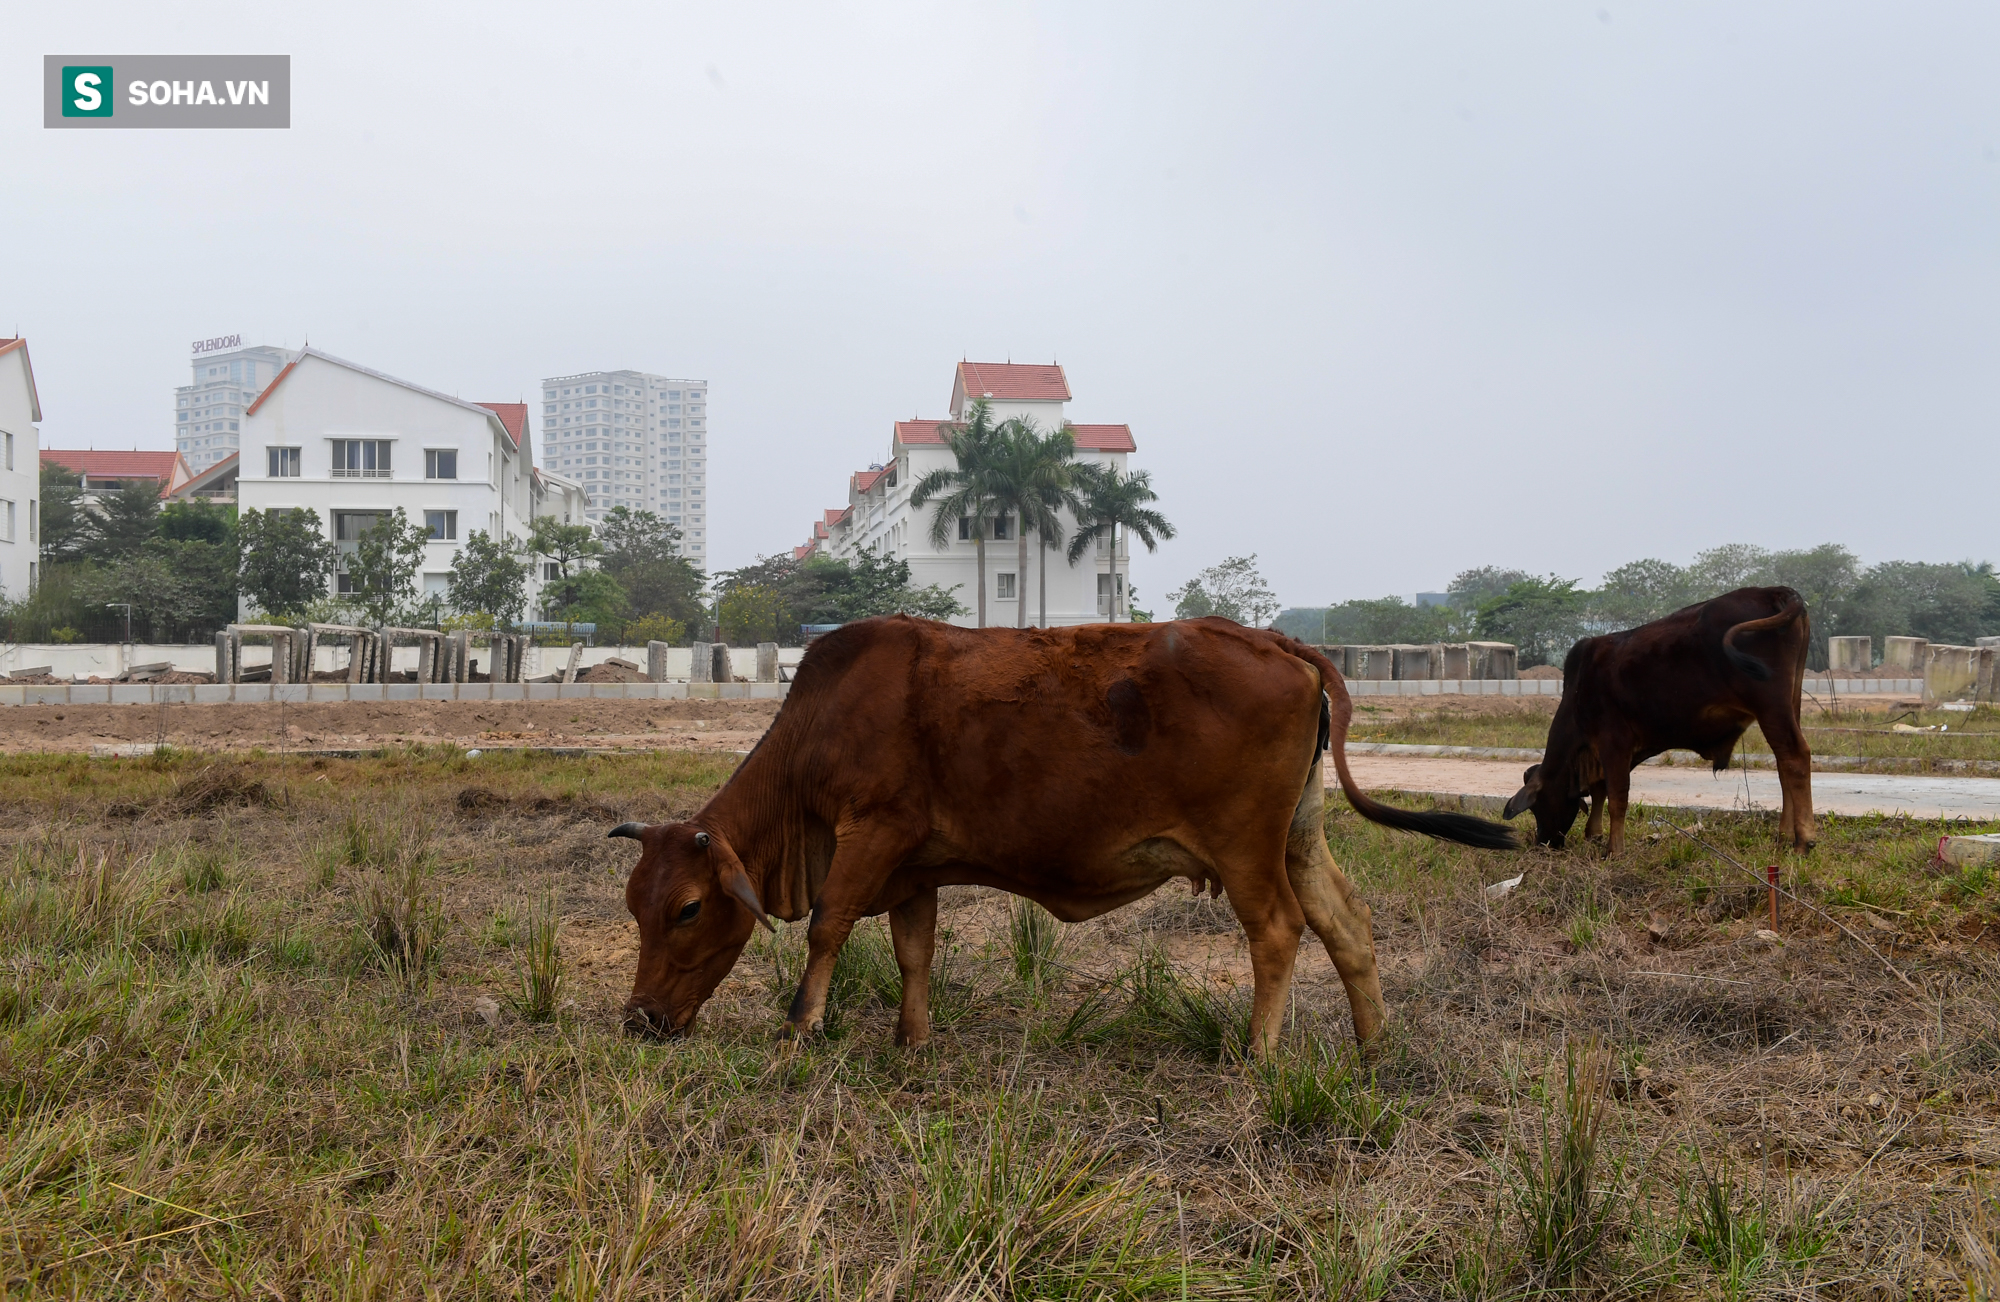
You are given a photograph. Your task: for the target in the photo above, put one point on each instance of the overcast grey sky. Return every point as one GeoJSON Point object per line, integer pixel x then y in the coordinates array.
{"type": "Point", "coordinates": [1385, 291]}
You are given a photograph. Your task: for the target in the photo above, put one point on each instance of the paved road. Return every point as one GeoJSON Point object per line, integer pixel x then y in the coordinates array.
{"type": "Point", "coordinates": [1697, 788]}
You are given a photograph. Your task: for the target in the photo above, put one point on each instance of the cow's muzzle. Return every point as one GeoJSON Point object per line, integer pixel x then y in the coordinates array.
{"type": "Point", "coordinates": [653, 1023]}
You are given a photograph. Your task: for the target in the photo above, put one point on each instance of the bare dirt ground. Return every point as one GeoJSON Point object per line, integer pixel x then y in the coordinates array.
{"type": "Point", "coordinates": [366, 725]}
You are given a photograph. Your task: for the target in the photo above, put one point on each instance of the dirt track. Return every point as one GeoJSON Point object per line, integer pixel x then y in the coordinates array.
{"type": "Point", "coordinates": [698, 725]}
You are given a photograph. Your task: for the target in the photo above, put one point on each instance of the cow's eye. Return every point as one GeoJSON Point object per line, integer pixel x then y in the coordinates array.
{"type": "Point", "coordinates": [687, 914]}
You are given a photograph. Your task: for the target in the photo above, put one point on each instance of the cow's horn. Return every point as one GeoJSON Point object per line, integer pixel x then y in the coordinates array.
{"type": "Point", "coordinates": [628, 829]}
{"type": "Point", "coordinates": [729, 872]}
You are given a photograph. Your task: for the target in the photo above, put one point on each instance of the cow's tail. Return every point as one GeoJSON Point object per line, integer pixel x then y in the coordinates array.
{"type": "Point", "coordinates": [1336, 710]}
{"type": "Point", "coordinates": [1749, 664]}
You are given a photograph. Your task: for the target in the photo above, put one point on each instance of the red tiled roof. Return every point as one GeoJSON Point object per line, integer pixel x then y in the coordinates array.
{"type": "Point", "coordinates": [166, 467]}
{"type": "Point", "coordinates": [276, 380]}
{"type": "Point", "coordinates": [835, 517]}
{"type": "Point", "coordinates": [513, 416]}
{"type": "Point", "coordinates": [920, 431]}
{"type": "Point", "coordinates": [34, 397]}
{"type": "Point", "coordinates": [866, 479]}
{"type": "Point", "coordinates": [1010, 381]}
{"type": "Point", "coordinates": [819, 530]}
{"type": "Point", "coordinates": [221, 470]}
{"type": "Point", "coordinates": [1104, 438]}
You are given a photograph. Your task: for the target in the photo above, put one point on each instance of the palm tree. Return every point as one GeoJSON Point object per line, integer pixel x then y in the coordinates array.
{"type": "Point", "coordinates": [1033, 477]}
{"type": "Point", "coordinates": [1112, 501]}
{"type": "Point", "coordinates": [966, 491]}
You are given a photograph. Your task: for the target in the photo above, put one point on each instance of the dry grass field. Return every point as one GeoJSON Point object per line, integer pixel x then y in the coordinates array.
{"type": "Point", "coordinates": [294, 1028]}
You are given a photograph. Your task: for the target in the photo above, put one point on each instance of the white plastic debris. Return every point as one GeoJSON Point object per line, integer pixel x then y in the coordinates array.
{"type": "Point", "coordinates": [1500, 889]}
{"type": "Point", "coordinates": [474, 754]}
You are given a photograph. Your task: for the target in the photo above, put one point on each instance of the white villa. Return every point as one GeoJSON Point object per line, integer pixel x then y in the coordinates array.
{"type": "Point", "coordinates": [353, 444]}
{"type": "Point", "coordinates": [20, 473]}
{"type": "Point", "coordinates": [878, 516]}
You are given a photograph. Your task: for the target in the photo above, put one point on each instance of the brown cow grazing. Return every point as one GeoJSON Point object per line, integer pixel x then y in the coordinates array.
{"type": "Point", "coordinates": [1692, 681]}
{"type": "Point", "coordinates": [1079, 767]}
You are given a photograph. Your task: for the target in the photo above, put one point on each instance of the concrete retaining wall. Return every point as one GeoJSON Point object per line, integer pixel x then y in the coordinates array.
{"type": "Point", "coordinates": [101, 659]}
{"type": "Point", "coordinates": [316, 693]}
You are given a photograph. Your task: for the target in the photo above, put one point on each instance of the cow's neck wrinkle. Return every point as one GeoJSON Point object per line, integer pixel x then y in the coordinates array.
{"type": "Point", "coordinates": [759, 812]}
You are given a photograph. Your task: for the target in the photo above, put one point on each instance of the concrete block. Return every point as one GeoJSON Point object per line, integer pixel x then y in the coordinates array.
{"type": "Point", "coordinates": [764, 691]}
{"type": "Point", "coordinates": [174, 693]}
{"type": "Point", "coordinates": [1412, 663]}
{"type": "Point", "coordinates": [13, 694]}
{"type": "Point", "coordinates": [212, 693]}
{"type": "Point", "coordinates": [402, 691]}
{"type": "Point", "coordinates": [1982, 849]}
{"type": "Point", "coordinates": [46, 693]}
{"type": "Point", "coordinates": [290, 693]}
{"type": "Point", "coordinates": [89, 694]}
{"type": "Point", "coordinates": [701, 662]}
{"type": "Point", "coordinates": [679, 691]}
{"type": "Point", "coordinates": [1850, 654]}
{"type": "Point", "coordinates": [1949, 673]}
{"type": "Point", "coordinates": [767, 662]}
{"type": "Point", "coordinates": [572, 691]}
{"type": "Point", "coordinates": [1985, 673]}
{"type": "Point", "coordinates": [501, 691]}
{"type": "Point", "coordinates": [317, 692]}
{"type": "Point", "coordinates": [1908, 653]}
{"type": "Point", "coordinates": [438, 691]}
{"type": "Point", "coordinates": [656, 661]}
{"type": "Point", "coordinates": [364, 691]}
{"type": "Point", "coordinates": [722, 671]}
{"type": "Point", "coordinates": [1427, 686]}
{"type": "Point", "coordinates": [704, 691]}
{"type": "Point", "coordinates": [1495, 660]}
{"type": "Point", "coordinates": [253, 693]}
{"type": "Point", "coordinates": [131, 694]}
{"type": "Point", "coordinates": [543, 691]}
{"type": "Point", "coordinates": [1373, 663]}
{"type": "Point", "coordinates": [483, 691]}
{"type": "Point", "coordinates": [734, 691]}
{"type": "Point", "coordinates": [1454, 660]}
{"type": "Point", "coordinates": [607, 691]}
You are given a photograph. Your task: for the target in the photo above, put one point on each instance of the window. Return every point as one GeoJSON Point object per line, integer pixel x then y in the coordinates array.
{"type": "Point", "coordinates": [1003, 587]}
{"type": "Point", "coordinates": [285, 462]}
{"type": "Point", "coordinates": [10, 452]}
{"type": "Point", "coordinates": [964, 529]}
{"type": "Point", "coordinates": [442, 524]}
{"type": "Point", "coordinates": [360, 458]}
{"type": "Point", "coordinates": [551, 571]}
{"type": "Point", "coordinates": [440, 463]}
{"type": "Point", "coordinates": [34, 520]}
{"type": "Point", "coordinates": [1003, 528]}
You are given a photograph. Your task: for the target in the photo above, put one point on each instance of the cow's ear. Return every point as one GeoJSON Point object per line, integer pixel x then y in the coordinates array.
{"type": "Point", "coordinates": [1530, 788]}
{"type": "Point", "coordinates": [730, 876]}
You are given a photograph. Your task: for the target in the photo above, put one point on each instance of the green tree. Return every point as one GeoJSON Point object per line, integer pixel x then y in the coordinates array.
{"type": "Point", "coordinates": [1953, 603]}
{"type": "Point", "coordinates": [750, 614]}
{"type": "Point", "coordinates": [1034, 477]}
{"type": "Point", "coordinates": [1474, 588]}
{"type": "Point", "coordinates": [489, 577]}
{"type": "Point", "coordinates": [1375, 622]}
{"type": "Point", "coordinates": [643, 553]}
{"type": "Point", "coordinates": [1233, 590]}
{"type": "Point", "coordinates": [968, 491]}
{"type": "Point", "coordinates": [286, 560]}
{"type": "Point", "coordinates": [69, 531]}
{"type": "Point", "coordinates": [126, 519]}
{"type": "Point", "coordinates": [384, 564]}
{"type": "Point", "coordinates": [586, 596]}
{"type": "Point", "coordinates": [1638, 593]}
{"type": "Point", "coordinates": [1542, 617]}
{"type": "Point", "coordinates": [1725, 569]}
{"type": "Point", "coordinates": [1112, 501]}
{"type": "Point", "coordinates": [565, 544]}
{"type": "Point", "coordinates": [830, 590]}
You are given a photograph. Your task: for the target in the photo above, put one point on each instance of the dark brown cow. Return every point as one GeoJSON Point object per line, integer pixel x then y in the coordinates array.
{"type": "Point", "coordinates": [1079, 767]}
{"type": "Point", "coordinates": [1692, 681]}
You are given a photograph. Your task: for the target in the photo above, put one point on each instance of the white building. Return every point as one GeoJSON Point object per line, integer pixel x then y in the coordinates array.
{"type": "Point", "coordinates": [20, 473]}
{"type": "Point", "coordinates": [208, 414]}
{"type": "Point", "coordinates": [353, 444]}
{"type": "Point", "coordinates": [878, 516]}
{"type": "Point", "coordinates": [634, 440]}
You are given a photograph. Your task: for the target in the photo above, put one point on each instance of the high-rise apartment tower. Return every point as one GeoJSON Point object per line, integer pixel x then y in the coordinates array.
{"type": "Point", "coordinates": [208, 414]}
{"type": "Point", "coordinates": [633, 440]}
